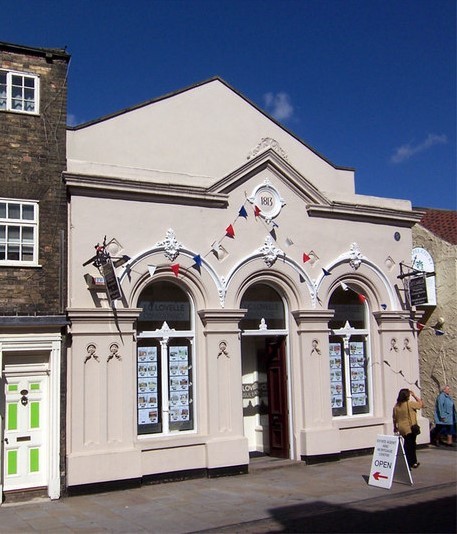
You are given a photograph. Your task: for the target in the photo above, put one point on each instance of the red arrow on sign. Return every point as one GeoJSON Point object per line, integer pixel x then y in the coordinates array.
{"type": "Point", "coordinates": [378, 475]}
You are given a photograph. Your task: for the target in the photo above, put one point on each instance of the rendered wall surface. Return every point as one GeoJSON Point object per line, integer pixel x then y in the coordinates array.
{"type": "Point", "coordinates": [164, 191]}
{"type": "Point", "coordinates": [438, 354]}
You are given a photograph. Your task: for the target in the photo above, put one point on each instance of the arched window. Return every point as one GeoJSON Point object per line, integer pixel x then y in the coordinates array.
{"type": "Point", "coordinates": [350, 374]}
{"type": "Point", "coordinates": [164, 360]}
{"type": "Point", "coordinates": [265, 309]}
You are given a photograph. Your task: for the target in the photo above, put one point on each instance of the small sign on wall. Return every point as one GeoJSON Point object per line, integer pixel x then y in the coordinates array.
{"type": "Point", "coordinates": [423, 261]}
{"type": "Point", "coordinates": [417, 290]}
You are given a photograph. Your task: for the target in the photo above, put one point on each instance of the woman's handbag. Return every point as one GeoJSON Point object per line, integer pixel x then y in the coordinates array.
{"type": "Point", "coordinates": [415, 429]}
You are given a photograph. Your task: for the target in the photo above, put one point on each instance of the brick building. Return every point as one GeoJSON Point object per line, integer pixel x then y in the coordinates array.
{"type": "Point", "coordinates": [33, 225]}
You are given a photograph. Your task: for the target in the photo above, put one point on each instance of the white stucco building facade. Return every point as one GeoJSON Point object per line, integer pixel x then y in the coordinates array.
{"type": "Point", "coordinates": [259, 310]}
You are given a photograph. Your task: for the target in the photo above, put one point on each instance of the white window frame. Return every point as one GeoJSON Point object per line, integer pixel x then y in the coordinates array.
{"type": "Point", "coordinates": [22, 223]}
{"type": "Point", "coordinates": [345, 334]}
{"type": "Point", "coordinates": [9, 92]}
{"type": "Point", "coordinates": [164, 336]}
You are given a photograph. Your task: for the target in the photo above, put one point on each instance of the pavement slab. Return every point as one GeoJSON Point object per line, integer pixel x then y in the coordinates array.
{"type": "Point", "coordinates": [328, 497]}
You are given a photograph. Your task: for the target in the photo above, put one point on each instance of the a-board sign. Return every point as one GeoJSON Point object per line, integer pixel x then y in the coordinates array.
{"type": "Point", "coordinates": [389, 463]}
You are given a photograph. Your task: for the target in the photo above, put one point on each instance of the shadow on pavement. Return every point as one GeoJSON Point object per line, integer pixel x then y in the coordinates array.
{"type": "Point", "coordinates": [437, 516]}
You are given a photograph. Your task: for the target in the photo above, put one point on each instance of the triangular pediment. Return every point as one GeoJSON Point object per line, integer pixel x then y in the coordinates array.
{"type": "Point", "coordinates": [270, 160]}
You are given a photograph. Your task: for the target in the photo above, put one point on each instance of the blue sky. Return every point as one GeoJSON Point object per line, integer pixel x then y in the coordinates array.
{"type": "Point", "coordinates": [369, 84]}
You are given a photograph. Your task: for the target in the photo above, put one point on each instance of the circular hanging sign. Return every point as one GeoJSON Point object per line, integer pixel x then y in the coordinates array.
{"type": "Point", "coordinates": [267, 200]}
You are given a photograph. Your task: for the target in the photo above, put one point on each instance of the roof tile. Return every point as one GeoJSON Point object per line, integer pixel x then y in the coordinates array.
{"type": "Point", "coordinates": [442, 223]}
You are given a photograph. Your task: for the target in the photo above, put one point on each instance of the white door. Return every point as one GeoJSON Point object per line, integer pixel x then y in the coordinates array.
{"type": "Point", "coordinates": [25, 461]}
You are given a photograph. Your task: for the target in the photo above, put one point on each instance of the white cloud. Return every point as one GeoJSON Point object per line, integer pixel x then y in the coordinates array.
{"type": "Point", "coordinates": [407, 151]}
{"type": "Point", "coordinates": [278, 105]}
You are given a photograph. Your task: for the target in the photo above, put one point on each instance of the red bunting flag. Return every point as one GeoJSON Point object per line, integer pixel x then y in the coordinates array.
{"type": "Point", "coordinates": [175, 268]}
{"type": "Point", "coordinates": [230, 232]}
{"type": "Point", "coordinates": [306, 257]}
{"type": "Point", "coordinates": [362, 298]}
{"type": "Point", "coordinates": [256, 211]}
{"type": "Point", "coordinates": [420, 326]}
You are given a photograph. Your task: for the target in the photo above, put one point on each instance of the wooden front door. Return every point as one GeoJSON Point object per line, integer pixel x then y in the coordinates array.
{"type": "Point", "coordinates": [25, 444]}
{"type": "Point", "coordinates": [277, 397]}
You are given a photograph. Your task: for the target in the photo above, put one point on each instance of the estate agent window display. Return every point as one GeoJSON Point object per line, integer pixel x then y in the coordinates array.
{"type": "Point", "coordinates": [350, 374]}
{"type": "Point", "coordinates": [164, 361]}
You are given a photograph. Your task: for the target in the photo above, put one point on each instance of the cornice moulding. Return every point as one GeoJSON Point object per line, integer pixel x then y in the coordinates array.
{"type": "Point", "coordinates": [338, 210]}
{"type": "Point", "coordinates": [119, 187]}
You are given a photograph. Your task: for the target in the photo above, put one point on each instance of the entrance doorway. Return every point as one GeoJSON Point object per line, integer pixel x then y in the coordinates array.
{"type": "Point", "coordinates": [265, 405]}
{"type": "Point", "coordinates": [30, 432]}
{"type": "Point", "coordinates": [26, 448]}
{"type": "Point", "coordinates": [264, 367]}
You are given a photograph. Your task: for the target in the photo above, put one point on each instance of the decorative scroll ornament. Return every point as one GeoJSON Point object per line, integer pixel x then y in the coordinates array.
{"type": "Point", "coordinates": [263, 325]}
{"type": "Point", "coordinates": [265, 144]}
{"type": "Point", "coordinates": [315, 347]}
{"type": "Point", "coordinates": [91, 352]}
{"type": "Point", "coordinates": [270, 252]}
{"type": "Point", "coordinates": [171, 245]}
{"type": "Point", "coordinates": [222, 290]}
{"type": "Point", "coordinates": [166, 332]}
{"type": "Point", "coordinates": [356, 256]}
{"type": "Point", "coordinates": [114, 352]}
{"type": "Point", "coordinates": [223, 349]}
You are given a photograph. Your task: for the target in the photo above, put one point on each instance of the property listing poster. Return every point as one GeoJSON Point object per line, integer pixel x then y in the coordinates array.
{"type": "Point", "coordinates": [179, 382]}
{"type": "Point", "coordinates": [336, 375]}
{"type": "Point", "coordinates": [358, 373]}
{"type": "Point", "coordinates": [147, 374]}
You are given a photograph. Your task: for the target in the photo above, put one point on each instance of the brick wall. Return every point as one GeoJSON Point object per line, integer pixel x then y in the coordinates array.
{"type": "Point", "coordinates": [32, 158]}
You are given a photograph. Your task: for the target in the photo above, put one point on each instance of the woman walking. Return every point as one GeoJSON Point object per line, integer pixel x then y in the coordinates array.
{"type": "Point", "coordinates": [404, 417]}
{"type": "Point", "coordinates": [445, 416]}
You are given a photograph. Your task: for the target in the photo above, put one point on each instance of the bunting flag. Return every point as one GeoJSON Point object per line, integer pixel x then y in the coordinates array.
{"type": "Point", "coordinates": [152, 270]}
{"type": "Point", "coordinates": [362, 298]}
{"type": "Point", "coordinates": [175, 268]}
{"type": "Point", "coordinates": [384, 307]}
{"type": "Point", "coordinates": [273, 234]}
{"type": "Point", "coordinates": [306, 257]}
{"type": "Point", "coordinates": [198, 263]}
{"type": "Point", "coordinates": [229, 231]}
{"type": "Point", "coordinates": [243, 212]}
{"type": "Point", "coordinates": [289, 242]}
{"type": "Point", "coordinates": [256, 210]}
{"type": "Point", "coordinates": [401, 373]}
{"type": "Point", "coordinates": [326, 273]}
{"type": "Point", "coordinates": [215, 248]}
{"type": "Point", "coordinates": [420, 326]}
